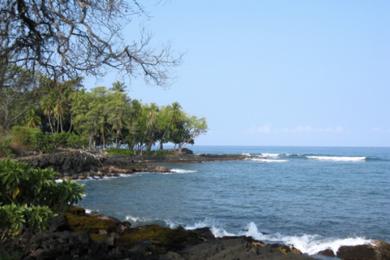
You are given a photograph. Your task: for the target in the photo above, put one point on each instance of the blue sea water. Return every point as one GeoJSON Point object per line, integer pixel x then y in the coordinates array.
{"type": "Point", "coordinates": [310, 197]}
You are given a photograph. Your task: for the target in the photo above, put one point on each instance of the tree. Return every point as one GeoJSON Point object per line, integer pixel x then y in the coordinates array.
{"type": "Point", "coordinates": [66, 39]}
{"type": "Point", "coordinates": [16, 101]}
{"type": "Point", "coordinates": [117, 106]}
{"type": "Point", "coordinates": [32, 119]}
{"type": "Point", "coordinates": [163, 121]}
{"type": "Point", "coordinates": [118, 86]}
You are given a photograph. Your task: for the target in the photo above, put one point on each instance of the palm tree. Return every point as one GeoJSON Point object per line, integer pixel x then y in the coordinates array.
{"type": "Point", "coordinates": [47, 109]}
{"type": "Point", "coordinates": [32, 119]}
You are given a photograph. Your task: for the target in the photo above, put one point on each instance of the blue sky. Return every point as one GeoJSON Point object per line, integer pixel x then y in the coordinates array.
{"type": "Point", "coordinates": [310, 73]}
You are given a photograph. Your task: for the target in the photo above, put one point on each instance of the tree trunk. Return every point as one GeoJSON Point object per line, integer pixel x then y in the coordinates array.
{"type": "Point", "coordinates": [50, 124]}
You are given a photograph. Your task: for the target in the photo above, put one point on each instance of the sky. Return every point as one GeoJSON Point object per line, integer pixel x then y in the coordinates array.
{"type": "Point", "coordinates": [302, 73]}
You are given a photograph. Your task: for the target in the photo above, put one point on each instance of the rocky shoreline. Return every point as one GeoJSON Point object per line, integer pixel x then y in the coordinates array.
{"type": "Point", "coordinates": [79, 164]}
{"type": "Point", "coordinates": [80, 235]}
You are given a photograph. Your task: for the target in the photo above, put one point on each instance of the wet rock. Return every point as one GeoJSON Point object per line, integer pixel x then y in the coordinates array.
{"type": "Point", "coordinates": [359, 252]}
{"type": "Point", "coordinates": [238, 248]}
{"type": "Point", "coordinates": [186, 151]}
{"type": "Point", "coordinates": [327, 252]}
{"type": "Point", "coordinates": [383, 249]}
{"type": "Point", "coordinates": [161, 169]}
{"type": "Point", "coordinates": [92, 223]}
{"type": "Point", "coordinates": [163, 237]}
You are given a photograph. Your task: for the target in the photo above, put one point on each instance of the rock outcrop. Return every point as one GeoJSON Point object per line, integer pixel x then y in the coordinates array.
{"type": "Point", "coordinates": [91, 236]}
{"type": "Point", "coordinates": [67, 163]}
{"type": "Point", "coordinates": [379, 250]}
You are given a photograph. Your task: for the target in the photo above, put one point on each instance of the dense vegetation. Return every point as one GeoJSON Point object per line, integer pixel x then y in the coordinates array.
{"type": "Point", "coordinates": [43, 115]}
{"type": "Point", "coordinates": [30, 197]}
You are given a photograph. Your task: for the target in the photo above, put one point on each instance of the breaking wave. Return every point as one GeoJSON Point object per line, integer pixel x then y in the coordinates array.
{"type": "Point", "coordinates": [338, 158]}
{"type": "Point", "coordinates": [265, 160]}
{"type": "Point", "coordinates": [308, 244]}
{"type": "Point", "coordinates": [181, 171]}
{"type": "Point", "coordinates": [283, 157]}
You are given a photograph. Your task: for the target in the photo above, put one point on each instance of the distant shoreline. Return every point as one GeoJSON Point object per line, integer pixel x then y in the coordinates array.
{"type": "Point", "coordinates": [80, 164]}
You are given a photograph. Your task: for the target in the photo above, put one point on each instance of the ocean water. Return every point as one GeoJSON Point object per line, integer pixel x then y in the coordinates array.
{"type": "Point", "coordinates": [312, 198]}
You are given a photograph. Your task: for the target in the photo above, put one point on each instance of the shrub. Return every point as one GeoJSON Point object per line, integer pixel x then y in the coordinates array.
{"type": "Point", "coordinates": [13, 218]}
{"type": "Point", "coordinates": [25, 138]}
{"type": "Point", "coordinates": [59, 139]}
{"type": "Point", "coordinates": [29, 197]}
{"type": "Point", "coordinates": [76, 141]}
{"type": "Point", "coordinates": [117, 151]}
{"type": "Point", "coordinates": [5, 148]}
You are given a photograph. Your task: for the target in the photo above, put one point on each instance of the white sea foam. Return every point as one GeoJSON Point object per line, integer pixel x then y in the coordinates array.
{"type": "Point", "coordinates": [214, 228]}
{"type": "Point", "coordinates": [246, 154]}
{"type": "Point", "coordinates": [270, 155]}
{"type": "Point", "coordinates": [338, 158]}
{"type": "Point", "coordinates": [265, 160]}
{"type": "Point", "coordinates": [88, 211]}
{"type": "Point", "coordinates": [309, 244]}
{"type": "Point", "coordinates": [181, 171]}
{"type": "Point", "coordinates": [128, 174]}
{"type": "Point", "coordinates": [133, 219]}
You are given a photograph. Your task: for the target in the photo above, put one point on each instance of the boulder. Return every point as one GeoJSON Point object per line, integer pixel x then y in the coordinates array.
{"type": "Point", "coordinates": [165, 238]}
{"type": "Point", "coordinates": [327, 252]}
{"type": "Point", "coordinates": [383, 249]}
{"type": "Point", "coordinates": [91, 223]}
{"type": "Point", "coordinates": [359, 252]}
{"type": "Point", "coordinates": [186, 151]}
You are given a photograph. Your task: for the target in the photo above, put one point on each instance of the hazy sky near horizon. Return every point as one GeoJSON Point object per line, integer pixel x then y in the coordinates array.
{"type": "Point", "coordinates": [313, 72]}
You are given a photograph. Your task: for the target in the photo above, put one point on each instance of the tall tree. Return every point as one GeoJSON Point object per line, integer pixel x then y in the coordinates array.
{"type": "Point", "coordinates": [117, 107]}
{"type": "Point", "coordinates": [66, 39]}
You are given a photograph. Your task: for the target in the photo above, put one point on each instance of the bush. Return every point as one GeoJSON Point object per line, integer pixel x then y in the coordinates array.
{"type": "Point", "coordinates": [25, 138]}
{"type": "Point", "coordinates": [29, 197]}
{"type": "Point", "coordinates": [59, 139]}
{"type": "Point", "coordinates": [117, 151]}
{"type": "Point", "coordinates": [5, 147]}
{"type": "Point", "coordinates": [76, 141]}
{"type": "Point", "coordinates": [14, 218]}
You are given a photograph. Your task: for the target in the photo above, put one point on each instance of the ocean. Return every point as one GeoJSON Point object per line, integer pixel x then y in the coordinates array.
{"type": "Point", "coordinates": [313, 198]}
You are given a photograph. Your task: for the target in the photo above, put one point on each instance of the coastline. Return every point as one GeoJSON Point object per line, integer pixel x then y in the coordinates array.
{"type": "Point", "coordinates": [86, 235]}
{"type": "Point", "coordinates": [80, 165]}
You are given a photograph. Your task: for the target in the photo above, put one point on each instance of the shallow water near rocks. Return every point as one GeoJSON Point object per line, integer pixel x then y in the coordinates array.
{"type": "Point", "coordinates": [312, 198]}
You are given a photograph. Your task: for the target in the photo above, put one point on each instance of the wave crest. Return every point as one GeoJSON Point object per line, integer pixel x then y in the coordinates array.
{"type": "Point", "coordinates": [182, 171]}
{"type": "Point", "coordinates": [265, 160]}
{"type": "Point", "coordinates": [338, 158]}
{"type": "Point", "coordinates": [309, 244]}
{"type": "Point", "coordinates": [306, 243]}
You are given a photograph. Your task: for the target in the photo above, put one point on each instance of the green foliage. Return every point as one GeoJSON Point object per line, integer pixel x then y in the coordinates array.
{"type": "Point", "coordinates": [14, 218]}
{"type": "Point", "coordinates": [76, 141]}
{"type": "Point", "coordinates": [65, 139]}
{"type": "Point", "coordinates": [5, 147]}
{"type": "Point", "coordinates": [65, 115]}
{"type": "Point", "coordinates": [117, 151]}
{"type": "Point", "coordinates": [26, 138]}
{"type": "Point", "coordinates": [29, 197]}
